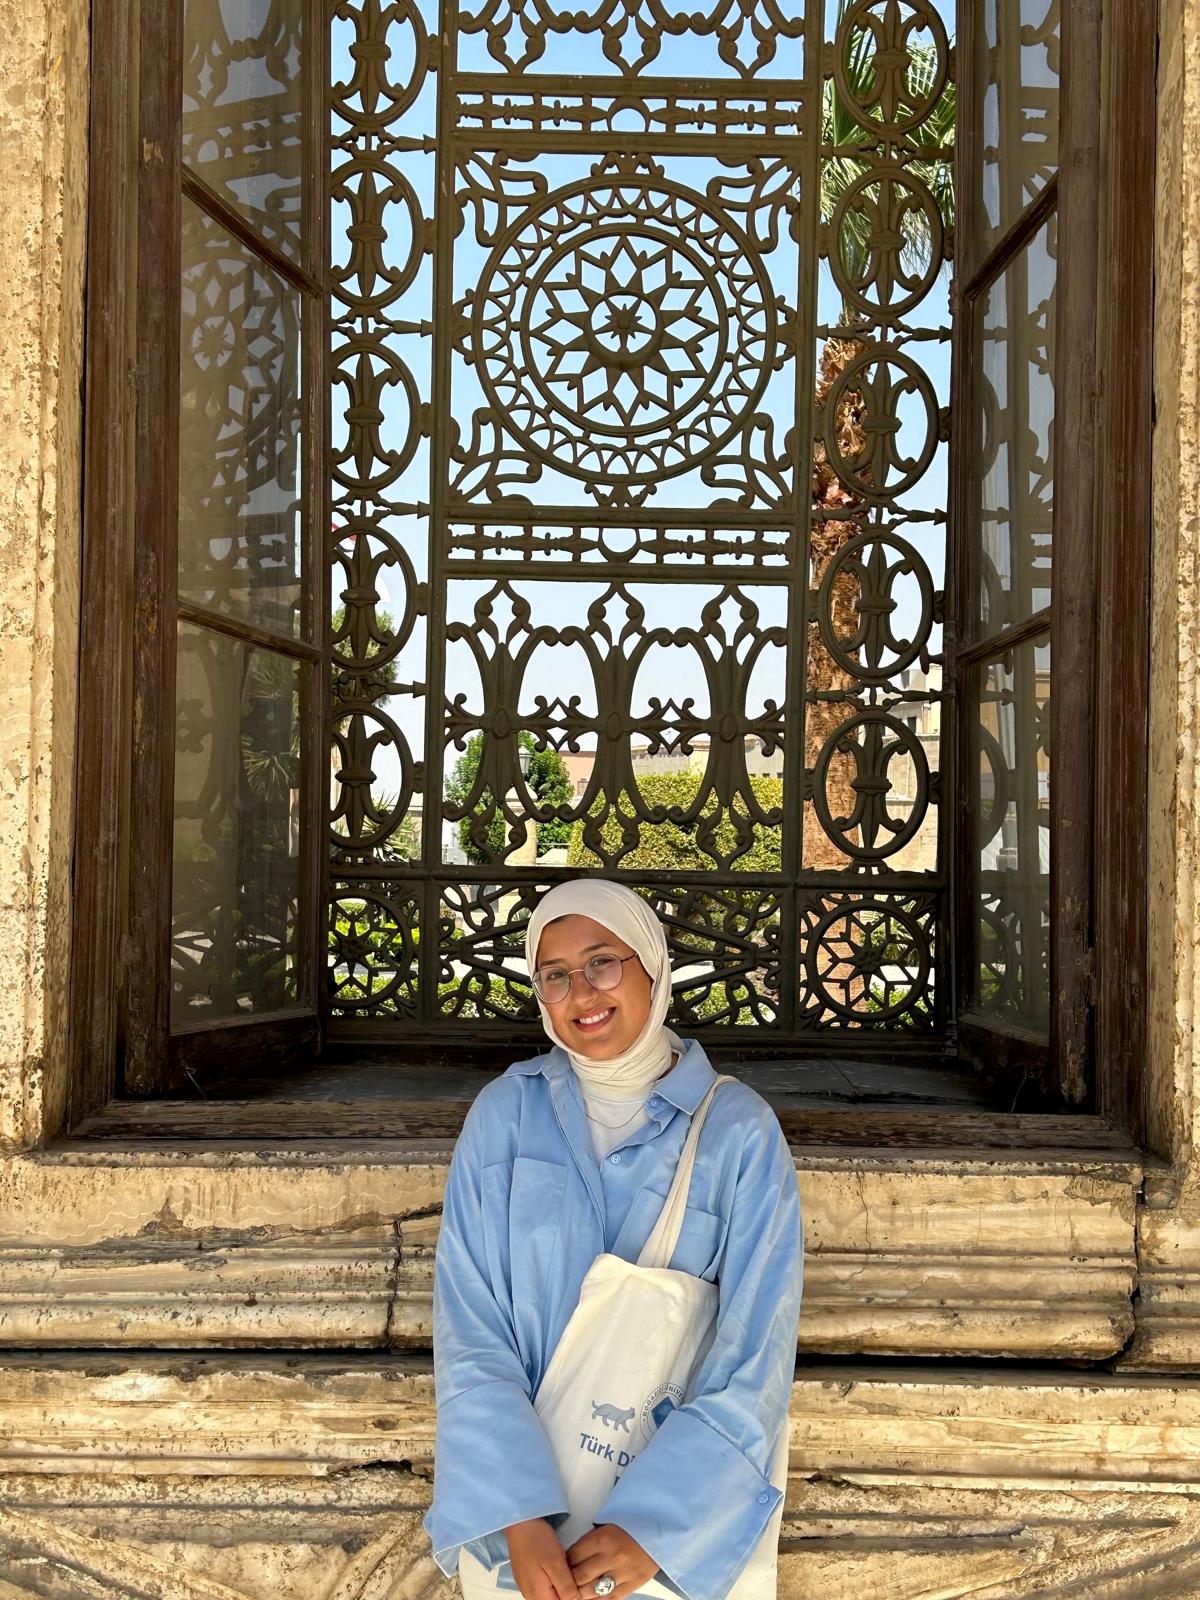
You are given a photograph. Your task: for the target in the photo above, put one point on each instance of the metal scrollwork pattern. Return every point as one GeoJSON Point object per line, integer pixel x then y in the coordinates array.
{"type": "Point", "coordinates": [724, 817]}
{"type": "Point", "coordinates": [379, 361]}
{"type": "Point", "coordinates": [624, 332]}
{"type": "Point", "coordinates": [868, 960]}
{"type": "Point", "coordinates": [891, 63]}
{"type": "Point", "coordinates": [748, 35]}
{"type": "Point", "coordinates": [873, 724]}
{"type": "Point", "coordinates": [373, 940]}
{"type": "Point", "coordinates": [640, 361]}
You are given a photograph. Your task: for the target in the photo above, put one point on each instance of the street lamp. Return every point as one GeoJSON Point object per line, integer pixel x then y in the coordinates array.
{"type": "Point", "coordinates": [522, 830]}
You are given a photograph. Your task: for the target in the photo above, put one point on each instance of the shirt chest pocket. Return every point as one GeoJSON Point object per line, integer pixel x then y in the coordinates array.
{"type": "Point", "coordinates": [701, 1238]}
{"type": "Point", "coordinates": [525, 1199]}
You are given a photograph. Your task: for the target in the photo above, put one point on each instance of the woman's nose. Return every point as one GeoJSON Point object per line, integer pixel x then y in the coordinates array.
{"type": "Point", "coordinates": [586, 990]}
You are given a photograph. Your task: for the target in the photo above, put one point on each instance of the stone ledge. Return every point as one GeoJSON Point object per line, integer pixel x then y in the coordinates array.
{"type": "Point", "coordinates": [306, 1417]}
{"type": "Point", "coordinates": [356, 1535]}
{"type": "Point", "coordinates": [911, 1255]}
{"type": "Point", "coordinates": [1167, 1337]}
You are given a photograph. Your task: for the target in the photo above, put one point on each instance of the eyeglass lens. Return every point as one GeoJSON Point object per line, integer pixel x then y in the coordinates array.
{"type": "Point", "coordinates": [602, 972]}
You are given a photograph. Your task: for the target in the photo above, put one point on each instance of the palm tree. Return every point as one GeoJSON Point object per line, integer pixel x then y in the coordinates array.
{"type": "Point", "coordinates": [844, 134]}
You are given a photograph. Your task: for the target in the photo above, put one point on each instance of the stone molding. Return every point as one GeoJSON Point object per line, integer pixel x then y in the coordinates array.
{"type": "Point", "coordinates": [61, 1560]}
{"type": "Point", "coordinates": [1167, 1334]}
{"type": "Point", "coordinates": [1168, 1313]}
{"type": "Point", "coordinates": [43, 234]}
{"type": "Point", "coordinates": [914, 1255]}
{"type": "Point", "coordinates": [42, 1550]}
{"type": "Point", "coordinates": [841, 1543]}
{"type": "Point", "coordinates": [272, 1478]}
{"type": "Point", "coordinates": [306, 1416]}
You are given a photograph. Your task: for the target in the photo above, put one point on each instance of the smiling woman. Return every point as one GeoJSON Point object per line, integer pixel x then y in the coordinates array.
{"type": "Point", "coordinates": [608, 1027]}
{"type": "Point", "coordinates": [582, 920]}
{"type": "Point", "coordinates": [632, 1354]}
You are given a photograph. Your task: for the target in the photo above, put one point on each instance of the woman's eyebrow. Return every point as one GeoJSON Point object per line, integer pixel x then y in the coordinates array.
{"type": "Point", "coordinates": [561, 961]}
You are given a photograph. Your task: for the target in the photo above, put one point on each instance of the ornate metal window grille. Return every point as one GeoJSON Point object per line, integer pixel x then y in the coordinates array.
{"type": "Point", "coordinates": [640, 337]}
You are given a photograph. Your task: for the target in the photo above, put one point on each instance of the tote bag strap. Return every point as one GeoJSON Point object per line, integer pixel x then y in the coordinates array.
{"type": "Point", "coordinates": [664, 1236]}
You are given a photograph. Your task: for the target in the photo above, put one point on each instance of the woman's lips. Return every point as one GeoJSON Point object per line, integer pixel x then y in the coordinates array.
{"type": "Point", "coordinates": [593, 1021]}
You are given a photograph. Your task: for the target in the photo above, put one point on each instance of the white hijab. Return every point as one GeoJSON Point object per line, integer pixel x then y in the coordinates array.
{"type": "Point", "coordinates": [626, 915]}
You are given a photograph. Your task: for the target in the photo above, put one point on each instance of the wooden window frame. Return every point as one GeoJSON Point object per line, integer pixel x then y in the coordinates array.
{"type": "Point", "coordinates": [121, 950]}
{"type": "Point", "coordinates": [1123, 500]}
{"type": "Point", "coordinates": [125, 681]}
{"type": "Point", "coordinates": [1098, 621]}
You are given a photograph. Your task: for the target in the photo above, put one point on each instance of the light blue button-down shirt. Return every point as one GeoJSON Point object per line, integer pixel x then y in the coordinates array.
{"type": "Point", "coordinates": [528, 1208]}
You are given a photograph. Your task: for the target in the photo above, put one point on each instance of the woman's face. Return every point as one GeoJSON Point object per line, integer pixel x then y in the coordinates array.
{"type": "Point", "coordinates": [598, 1023]}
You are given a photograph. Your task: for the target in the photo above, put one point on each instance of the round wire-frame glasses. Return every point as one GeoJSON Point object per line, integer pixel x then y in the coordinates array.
{"type": "Point", "coordinates": [553, 984]}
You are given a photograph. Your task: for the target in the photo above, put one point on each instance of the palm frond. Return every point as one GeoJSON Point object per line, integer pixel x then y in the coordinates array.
{"type": "Point", "coordinates": [842, 135]}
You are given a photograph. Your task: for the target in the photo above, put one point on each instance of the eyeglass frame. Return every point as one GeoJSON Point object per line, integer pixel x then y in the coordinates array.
{"type": "Point", "coordinates": [570, 975]}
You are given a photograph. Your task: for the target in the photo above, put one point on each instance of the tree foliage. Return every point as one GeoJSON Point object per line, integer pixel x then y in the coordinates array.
{"type": "Point", "coordinates": [548, 781]}
{"type": "Point", "coordinates": [841, 129]}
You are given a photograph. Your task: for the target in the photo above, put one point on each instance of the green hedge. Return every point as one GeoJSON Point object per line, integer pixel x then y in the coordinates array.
{"type": "Point", "coordinates": [675, 844]}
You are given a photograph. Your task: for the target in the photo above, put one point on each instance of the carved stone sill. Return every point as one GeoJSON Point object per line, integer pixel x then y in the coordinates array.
{"type": "Point", "coordinates": [312, 1415]}
{"type": "Point", "coordinates": [242, 1477]}
{"type": "Point", "coordinates": [1168, 1312]}
{"type": "Point", "coordinates": [917, 1252]}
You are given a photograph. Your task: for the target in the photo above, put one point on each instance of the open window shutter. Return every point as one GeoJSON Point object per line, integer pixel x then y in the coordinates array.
{"type": "Point", "coordinates": [1023, 653]}
{"type": "Point", "coordinates": [230, 616]}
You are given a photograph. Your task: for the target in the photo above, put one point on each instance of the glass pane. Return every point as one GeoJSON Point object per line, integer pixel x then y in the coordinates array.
{"type": "Point", "coordinates": [1020, 41]}
{"type": "Point", "coordinates": [239, 431]}
{"type": "Point", "coordinates": [1011, 815]}
{"type": "Point", "coordinates": [237, 829]}
{"type": "Point", "coordinates": [243, 109]}
{"type": "Point", "coordinates": [1016, 366]}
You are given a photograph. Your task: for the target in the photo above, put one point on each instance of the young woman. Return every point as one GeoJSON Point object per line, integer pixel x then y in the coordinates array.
{"type": "Point", "coordinates": [567, 1156]}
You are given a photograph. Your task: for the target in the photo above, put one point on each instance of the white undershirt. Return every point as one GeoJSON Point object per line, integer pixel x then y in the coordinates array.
{"type": "Point", "coordinates": [611, 1121]}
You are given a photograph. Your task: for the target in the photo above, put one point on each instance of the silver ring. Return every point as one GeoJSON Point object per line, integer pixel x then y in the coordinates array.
{"type": "Point", "coordinates": [604, 1584]}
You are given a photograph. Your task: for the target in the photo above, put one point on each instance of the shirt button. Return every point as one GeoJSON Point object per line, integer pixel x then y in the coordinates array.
{"type": "Point", "coordinates": [654, 1104]}
{"type": "Point", "coordinates": [763, 1497]}
{"type": "Point", "coordinates": [616, 1160]}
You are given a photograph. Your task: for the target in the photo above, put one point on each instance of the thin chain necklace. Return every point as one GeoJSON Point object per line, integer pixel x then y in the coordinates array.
{"type": "Point", "coordinates": [614, 1127]}
{"type": "Point", "coordinates": [611, 1126]}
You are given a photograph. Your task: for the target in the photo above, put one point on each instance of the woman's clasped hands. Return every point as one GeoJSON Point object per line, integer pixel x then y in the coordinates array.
{"type": "Point", "coordinates": [545, 1571]}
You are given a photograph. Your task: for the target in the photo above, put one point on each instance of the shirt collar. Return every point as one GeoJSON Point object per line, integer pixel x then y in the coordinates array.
{"type": "Point", "coordinates": [683, 1087]}
{"type": "Point", "coordinates": [688, 1080]}
{"type": "Point", "coordinates": [551, 1065]}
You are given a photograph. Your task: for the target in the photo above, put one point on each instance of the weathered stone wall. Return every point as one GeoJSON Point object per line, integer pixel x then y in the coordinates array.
{"type": "Point", "coordinates": [43, 209]}
{"type": "Point", "coordinates": [1169, 1231]}
{"type": "Point", "coordinates": [272, 1479]}
{"type": "Point", "coordinates": [278, 1443]}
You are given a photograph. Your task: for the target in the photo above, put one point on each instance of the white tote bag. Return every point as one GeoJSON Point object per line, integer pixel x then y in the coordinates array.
{"type": "Point", "coordinates": [626, 1358]}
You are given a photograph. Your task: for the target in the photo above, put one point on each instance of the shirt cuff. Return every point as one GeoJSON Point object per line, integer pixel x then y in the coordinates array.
{"type": "Point", "coordinates": [695, 1505]}
{"type": "Point", "coordinates": [493, 1466]}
